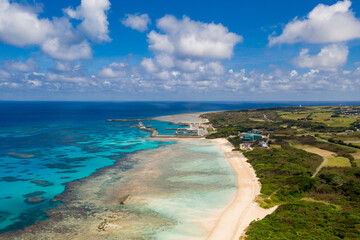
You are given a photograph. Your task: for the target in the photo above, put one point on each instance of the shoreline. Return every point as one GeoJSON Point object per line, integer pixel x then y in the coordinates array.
{"type": "Point", "coordinates": [243, 209]}
{"type": "Point", "coordinates": [166, 191]}
{"type": "Point", "coordinates": [228, 223]}
{"type": "Point", "coordinates": [184, 117]}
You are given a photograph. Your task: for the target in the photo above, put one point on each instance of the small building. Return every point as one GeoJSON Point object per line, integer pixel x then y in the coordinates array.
{"type": "Point", "coordinates": [263, 144]}
{"type": "Point", "coordinates": [250, 137]}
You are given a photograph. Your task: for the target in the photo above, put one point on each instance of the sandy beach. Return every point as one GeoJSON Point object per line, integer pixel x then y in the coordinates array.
{"type": "Point", "coordinates": [185, 117]}
{"type": "Point", "coordinates": [192, 189]}
{"type": "Point", "coordinates": [243, 209]}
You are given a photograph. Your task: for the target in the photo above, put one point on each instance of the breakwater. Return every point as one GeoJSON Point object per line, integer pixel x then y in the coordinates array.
{"type": "Point", "coordinates": [155, 134]}
{"type": "Point", "coordinates": [129, 120]}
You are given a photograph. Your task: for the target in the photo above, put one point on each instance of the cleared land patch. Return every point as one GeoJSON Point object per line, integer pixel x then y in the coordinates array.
{"type": "Point", "coordinates": [318, 151]}
{"type": "Point", "coordinates": [338, 162]}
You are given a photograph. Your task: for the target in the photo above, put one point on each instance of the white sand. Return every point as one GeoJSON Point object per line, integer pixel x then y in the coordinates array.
{"type": "Point", "coordinates": [186, 117]}
{"type": "Point", "coordinates": [243, 209]}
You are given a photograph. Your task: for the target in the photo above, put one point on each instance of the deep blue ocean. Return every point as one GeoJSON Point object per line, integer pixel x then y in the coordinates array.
{"type": "Point", "coordinates": [46, 144]}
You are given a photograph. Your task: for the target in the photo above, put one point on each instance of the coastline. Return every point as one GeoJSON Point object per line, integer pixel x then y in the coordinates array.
{"type": "Point", "coordinates": [176, 191]}
{"type": "Point", "coordinates": [91, 205]}
{"type": "Point", "coordinates": [183, 117]}
{"type": "Point", "coordinates": [244, 209]}
{"type": "Point", "coordinates": [100, 221]}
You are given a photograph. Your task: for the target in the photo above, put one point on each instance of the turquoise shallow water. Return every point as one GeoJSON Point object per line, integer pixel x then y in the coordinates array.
{"type": "Point", "coordinates": [208, 187]}
{"type": "Point", "coordinates": [44, 145]}
{"type": "Point", "coordinates": [36, 161]}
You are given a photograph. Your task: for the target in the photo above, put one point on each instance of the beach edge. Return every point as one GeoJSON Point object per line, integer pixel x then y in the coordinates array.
{"type": "Point", "coordinates": [244, 209]}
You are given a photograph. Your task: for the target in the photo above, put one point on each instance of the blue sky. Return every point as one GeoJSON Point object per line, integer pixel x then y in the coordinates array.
{"type": "Point", "coordinates": [179, 50]}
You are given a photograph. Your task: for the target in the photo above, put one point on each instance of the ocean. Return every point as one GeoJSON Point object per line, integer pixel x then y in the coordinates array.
{"type": "Point", "coordinates": [46, 145]}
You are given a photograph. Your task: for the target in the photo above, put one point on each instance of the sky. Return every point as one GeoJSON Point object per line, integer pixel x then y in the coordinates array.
{"type": "Point", "coordinates": [167, 50]}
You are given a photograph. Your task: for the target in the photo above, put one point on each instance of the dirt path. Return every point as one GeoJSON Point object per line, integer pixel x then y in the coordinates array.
{"type": "Point", "coordinates": [319, 167]}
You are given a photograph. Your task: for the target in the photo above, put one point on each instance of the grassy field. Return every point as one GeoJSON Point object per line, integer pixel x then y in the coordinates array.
{"type": "Point", "coordinates": [356, 143]}
{"type": "Point", "coordinates": [294, 116]}
{"type": "Point", "coordinates": [337, 162]}
{"type": "Point", "coordinates": [340, 122]}
{"type": "Point", "coordinates": [321, 116]}
{"type": "Point", "coordinates": [318, 115]}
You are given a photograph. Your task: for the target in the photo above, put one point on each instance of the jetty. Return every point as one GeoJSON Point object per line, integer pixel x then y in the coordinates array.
{"type": "Point", "coordinates": [195, 130]}
{"type": "Point", "coordinates": [192, 130]}
{"type": "Point", "coordinates": [153, 132]}
{"type": "Point", "coordinates": [128, 120]}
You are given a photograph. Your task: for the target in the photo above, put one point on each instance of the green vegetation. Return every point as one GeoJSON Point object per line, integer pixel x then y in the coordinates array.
{"type": "Point", "coordinates": [341, 122]}
{"type": "Point", "coordinates": [324, 207]}
{"type": "Point", "coordinates": [341, 142]}
{"type": "Point", "coordinates": [285, 173]}
{"type": "Point", "coordinates": [337, 162]}
{"type": "Point", "coordinates": [306, 220]}
{"type": "Point", "coordinates": [321, 116]}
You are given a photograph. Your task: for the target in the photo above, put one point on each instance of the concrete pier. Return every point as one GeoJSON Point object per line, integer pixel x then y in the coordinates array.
{"type": "Point", "coordinates": [195, 130]}
{"type": "Point", "coordinates": [128, 120]}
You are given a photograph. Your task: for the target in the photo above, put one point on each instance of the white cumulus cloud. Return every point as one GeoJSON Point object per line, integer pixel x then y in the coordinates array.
{"type": "Point", "coordinates": [187, 51]}
{"type": "Point", "coordinates": [194, 39]}
{"type": "Point", "coordinates": [329, 58]}
{"type": "Point", "coordinates": [28, 66]}
{"type": "Point", "coordinates": [21, 26]}
{"type": "Point", "coordinates": [149, 65]}
{"type": "Point", "coordinates": [61, 50]}
{"type": "Point", "coordinates": [136, 21]}
{"type": "Point", "coordinates": [324, 24]}
{"type": "Point", "coordinates": [94, 19]}
{"type": "Point", "coordinates": [293, 73]}
{"type": "Point", "coordinates": [114, 70]}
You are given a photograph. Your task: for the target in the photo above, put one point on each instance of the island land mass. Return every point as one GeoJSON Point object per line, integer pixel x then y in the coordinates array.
{"type": "Point", "coordinates": [307, 160]}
